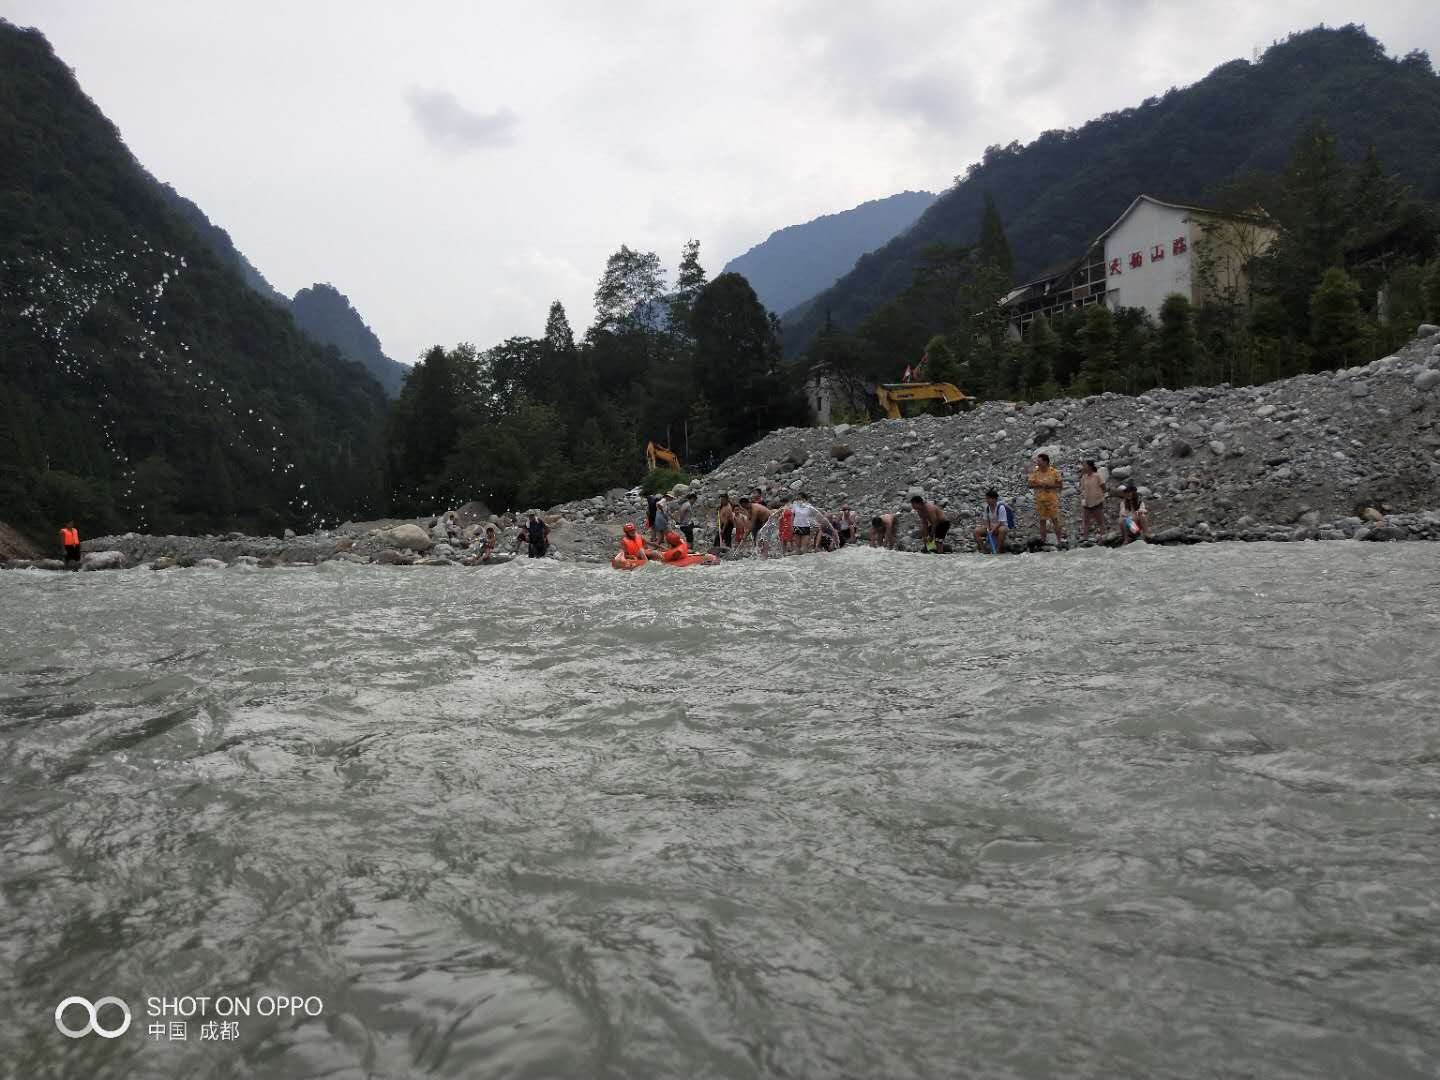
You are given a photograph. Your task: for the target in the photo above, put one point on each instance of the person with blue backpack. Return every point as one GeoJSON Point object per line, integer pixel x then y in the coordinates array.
{"type": "Point", "coordinates": [996, 524]}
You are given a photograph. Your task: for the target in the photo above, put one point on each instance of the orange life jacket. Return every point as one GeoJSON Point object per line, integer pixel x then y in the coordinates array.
{"type": "Point", "coordinates": [679, 553]}
{"type": "Point", "coordinates": [633, 547]}
{"type": "Point", "coordinates": [70, 537]}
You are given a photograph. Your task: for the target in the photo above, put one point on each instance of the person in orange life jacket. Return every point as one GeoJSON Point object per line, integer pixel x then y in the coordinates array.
{"type": "Point", "coordinates": [632, 544]}
{"type": "Point", "coordinates": [677, 550]}
{"type": "Point", "coordinates": [70, 540]}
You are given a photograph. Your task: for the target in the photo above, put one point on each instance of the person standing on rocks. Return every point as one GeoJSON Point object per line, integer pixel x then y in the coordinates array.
{"type": "Point", "coordinates": [537, 535]}
{"type": "Point", "coordinates": [683, 514]}
{"type": "Point", "coordinates": [934, 525]}
{"type": "Point", "coordinates": [1046, 482]}
{"type": "Point", "coordinates": [1092, 501]}
{"type": "Point", "coordinates": [994, 525]}
{"type": "Point", "coordinates": [70, 541]}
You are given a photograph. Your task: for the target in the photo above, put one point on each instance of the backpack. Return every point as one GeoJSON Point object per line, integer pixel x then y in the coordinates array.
{"type": "Point", "coordinates": [1008, 517]}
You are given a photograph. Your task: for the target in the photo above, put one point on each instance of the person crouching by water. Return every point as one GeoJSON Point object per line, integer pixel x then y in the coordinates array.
{"type": "Point", "coordinates": [725, 522]}
{"type": "Point", "coordinates": [934, 525]}
{"type": "Point", "coordinates": [882, 531]}
{"type": "Point", "coordinates": [70, 541]}
{"type": "Point", "coordinates": [994, 524]}
{"type": "Point", "coordinates": [537, 535]}
{"type": "Point", "coordinates": [1134, 517]}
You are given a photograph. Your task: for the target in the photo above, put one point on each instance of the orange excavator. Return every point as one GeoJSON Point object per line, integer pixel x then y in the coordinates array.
{"type": "Point", "coordinates": [891, 394]}
{"type": "Point", "coordinates": [656, 455]}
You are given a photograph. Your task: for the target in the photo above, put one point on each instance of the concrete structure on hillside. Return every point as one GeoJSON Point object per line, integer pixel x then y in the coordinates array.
{"type": "Point", "coordinates": [1154, 249]}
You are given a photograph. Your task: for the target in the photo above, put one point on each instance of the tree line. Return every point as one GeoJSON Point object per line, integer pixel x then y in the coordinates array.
{"type": "Point", "coordinates": [695, 365]}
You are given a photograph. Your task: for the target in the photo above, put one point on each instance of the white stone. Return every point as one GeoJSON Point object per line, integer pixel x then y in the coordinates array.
{"type": "Point", "coordinates": [103, 560]}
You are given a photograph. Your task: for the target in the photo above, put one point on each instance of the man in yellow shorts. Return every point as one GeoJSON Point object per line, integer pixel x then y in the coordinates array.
{"type": "Point", "coordinates": [1046, 482]}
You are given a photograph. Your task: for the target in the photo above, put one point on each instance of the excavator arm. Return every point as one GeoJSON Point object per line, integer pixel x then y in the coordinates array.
{"type": "Point", "coordinates": [891, 394]}
{"type": "Point", "coordinates": [656, 455]}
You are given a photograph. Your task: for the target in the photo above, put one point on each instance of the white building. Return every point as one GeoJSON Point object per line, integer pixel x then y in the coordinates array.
{"type": "Point", "coordinates": [1154, 249]}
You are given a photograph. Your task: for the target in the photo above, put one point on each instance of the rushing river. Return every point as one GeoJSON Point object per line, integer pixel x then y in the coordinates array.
{"type": "Point", "coordinates": [1154, 813]}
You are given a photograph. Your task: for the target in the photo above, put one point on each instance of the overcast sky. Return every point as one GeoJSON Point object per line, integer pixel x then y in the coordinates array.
{"type": "Point", "coordinates": [454, 166]}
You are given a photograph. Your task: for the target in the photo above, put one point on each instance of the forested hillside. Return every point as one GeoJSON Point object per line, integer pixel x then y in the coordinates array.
{"type": "Point", "coordinates": [1059, 192]}
{"type": "Point", "coordinates": [142, 383]}
{"type": "Point", "coordinates": [796, 262]}
{"type": "Point", "coordinates": [321, 311]}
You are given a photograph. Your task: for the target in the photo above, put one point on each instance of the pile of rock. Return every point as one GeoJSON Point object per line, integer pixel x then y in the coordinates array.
{"type": "Point", "coordinates": [1301, 457]}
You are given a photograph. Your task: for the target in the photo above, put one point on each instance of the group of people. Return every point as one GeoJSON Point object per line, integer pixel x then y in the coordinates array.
{"type": "Point", "coordinates": [997, 518]}
{"type": "Point", "coordinates": [794, 525]}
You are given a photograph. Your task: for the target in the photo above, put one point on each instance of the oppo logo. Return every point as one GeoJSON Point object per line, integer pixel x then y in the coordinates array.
{"type": "Point", "coordinates": [92, 1017]}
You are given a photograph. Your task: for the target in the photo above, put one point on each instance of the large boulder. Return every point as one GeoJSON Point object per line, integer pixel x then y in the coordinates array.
{"type": "Point", "coordinates": [103, 560]}
{"type": "Point", "coordinates": [407, 538]}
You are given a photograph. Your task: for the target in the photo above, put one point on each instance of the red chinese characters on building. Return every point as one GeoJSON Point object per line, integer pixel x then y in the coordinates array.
{"type": "Point", "coordinates": [1137, 260]}
{"type": "Point", "coordinates": [1115, 266]}
{"type": "Point", "coordinates": [1157, 252]}
{"type": "Point", "coordinates": [1179, 246]}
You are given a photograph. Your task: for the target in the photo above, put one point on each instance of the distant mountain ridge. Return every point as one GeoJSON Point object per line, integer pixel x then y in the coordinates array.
{"type": "Point", "coordinates": [326, 314]}
{"type": "Point", "coordinates": [796, 262]}
{"type": "Point", "coordinates": [1063, 189]}
{"type": "Point", "coordinates": [322, 311]}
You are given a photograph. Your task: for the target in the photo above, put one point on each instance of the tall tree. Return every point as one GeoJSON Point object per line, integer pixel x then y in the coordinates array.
{"type": "Point", "coordinates": [689, 280]}
{"type": "Point", "coordinates": [628, 291]}
{"type": "Point", "coordinates": [739, 367]}
{"type": "Point", "coordinates": [1177, 346]}
{"type": "Point", "coordinates": [1099, 371]}
{"type": "Point", "coordinates": [1335, 324]}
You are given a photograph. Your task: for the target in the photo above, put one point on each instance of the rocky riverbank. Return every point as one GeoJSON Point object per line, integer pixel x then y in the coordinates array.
{"type": "Point", "coordinates": [1351, 454]}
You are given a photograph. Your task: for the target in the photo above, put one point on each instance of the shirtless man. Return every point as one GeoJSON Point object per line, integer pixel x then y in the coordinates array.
{"type": "Point", "coordinates": [933, 523]}
{"type": "Point", "coordinates": [759, 514]}
{"type": "Point", "coordinates": [725, 521]}
{"type": "Point", "coordinates": [882, 531]}
{"type": "Point", "coordinates": [743, 521]}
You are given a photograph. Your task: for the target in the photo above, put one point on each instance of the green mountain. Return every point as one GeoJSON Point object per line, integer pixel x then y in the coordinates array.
{"type": "Point", "coordinates": [325, 313]}
{"type": "Point", "coordinates": [1059, 192]}
{"type": "Point", "coordinates": [220, 243]}
{"type": "Point", "coordinates": [143, 383]}
{"type": "Point", "coordinates": [796, 262]}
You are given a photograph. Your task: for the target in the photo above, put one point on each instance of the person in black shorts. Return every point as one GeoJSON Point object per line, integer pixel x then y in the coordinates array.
{"type": "Point", "coordinates": [537, 533]}
{"type": "Point", "coordinates": [933, 523]}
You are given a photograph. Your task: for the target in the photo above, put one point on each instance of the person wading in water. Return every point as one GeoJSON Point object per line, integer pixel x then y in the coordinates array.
{"type": "Point", "coordinates": [537, 534]}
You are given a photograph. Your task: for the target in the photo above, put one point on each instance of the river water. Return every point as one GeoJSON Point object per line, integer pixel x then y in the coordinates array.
{"type": "Point", "coordinates": [1153, 813]}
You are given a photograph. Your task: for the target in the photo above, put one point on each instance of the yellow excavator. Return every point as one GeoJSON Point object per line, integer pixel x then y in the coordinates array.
{"type": "Point", "coordinates": [891, 394]}
{"type": "Point", "coordinates": [656, 455]}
